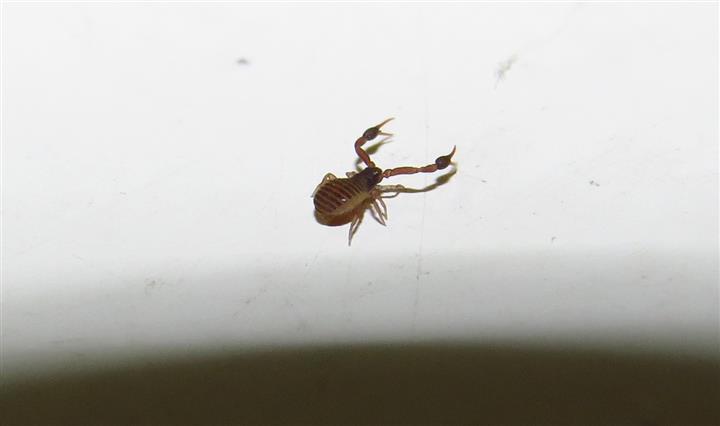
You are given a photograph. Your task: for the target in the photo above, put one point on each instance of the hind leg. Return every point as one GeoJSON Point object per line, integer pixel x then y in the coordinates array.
{"type": "Point", "coordinates": [377, 202]}
{"type": "Point", "coordinates": [354, 225]}
{"type": "Point", "coordinates": [378, 214]}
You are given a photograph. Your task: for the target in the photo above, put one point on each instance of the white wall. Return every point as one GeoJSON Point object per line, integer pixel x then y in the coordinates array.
{"type": "Point", "coordinates": [156, 188]}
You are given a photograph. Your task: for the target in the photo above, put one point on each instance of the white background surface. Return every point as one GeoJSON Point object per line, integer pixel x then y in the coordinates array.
{"type": "Point", "coordinates": [156, 190]}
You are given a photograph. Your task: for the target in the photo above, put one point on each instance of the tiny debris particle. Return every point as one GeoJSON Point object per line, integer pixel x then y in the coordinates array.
{"type": "Point", "coordinates": [242, 61]}
{"type": "Point", "coordinates": [593, 183]}
{"type": "Point", "coordinates": [152, 284]}
{"type": "Point", "coordinates": [552, 240]}
{"type": "Point", "coordinates": [503, 68]}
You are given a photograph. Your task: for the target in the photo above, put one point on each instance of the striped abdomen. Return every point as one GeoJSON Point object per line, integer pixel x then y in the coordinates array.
{"type": "Point", "coordinates": [337, 200]}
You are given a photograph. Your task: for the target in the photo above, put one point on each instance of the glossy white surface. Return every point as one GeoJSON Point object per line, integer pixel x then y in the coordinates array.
{"type": "Point", "coordinates": [158, 161]}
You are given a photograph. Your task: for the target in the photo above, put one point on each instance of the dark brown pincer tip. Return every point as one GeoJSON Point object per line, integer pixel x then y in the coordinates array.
{"type": "Point", "coordinates": [444, 161]}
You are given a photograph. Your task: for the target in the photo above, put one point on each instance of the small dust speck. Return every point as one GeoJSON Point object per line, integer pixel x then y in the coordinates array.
{"type": "Point", "coordinates": [552, 240]}
{"type": "Point", "coordinates": [152, 284]}
{"type": "Point", "coordinates": [242, 61]}
{"type": "Point", "coordinates": [503, 67]}
{"type": "Point", "coordinates": [593, 183]}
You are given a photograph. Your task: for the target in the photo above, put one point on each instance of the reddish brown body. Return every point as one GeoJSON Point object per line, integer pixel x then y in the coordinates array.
{"type": "Point", "coordinates": [344, 200]}
{"type": "Point", "coordinates": [338, 201]}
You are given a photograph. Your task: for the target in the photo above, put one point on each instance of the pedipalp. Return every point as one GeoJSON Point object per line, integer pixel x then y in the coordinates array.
{"type": "Point", "coordinates": [369, 135]}
{"type": "Point", "coordinates": [440, 163]}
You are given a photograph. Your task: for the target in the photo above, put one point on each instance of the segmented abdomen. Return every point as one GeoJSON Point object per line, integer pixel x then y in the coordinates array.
{"type": "Point", "coordinates": [339, 196]}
